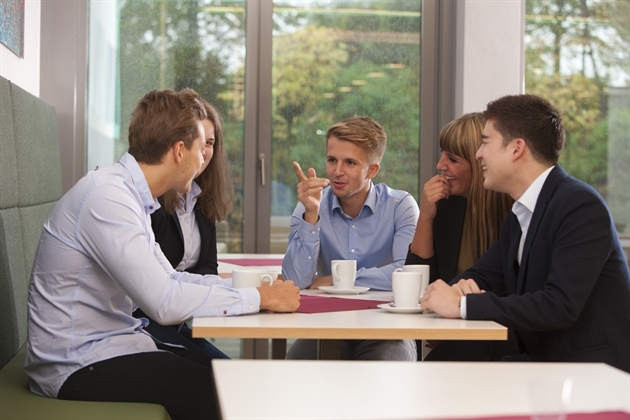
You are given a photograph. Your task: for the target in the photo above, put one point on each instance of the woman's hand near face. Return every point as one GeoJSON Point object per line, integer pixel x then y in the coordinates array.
{"type": "Point", "coordinates": [436, 189]}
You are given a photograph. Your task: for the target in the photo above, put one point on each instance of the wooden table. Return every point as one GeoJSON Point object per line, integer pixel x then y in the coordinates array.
{"type": "Point", "coordinates": [330, 327]}
{"type": "Point", "coordinates": [291, 389]}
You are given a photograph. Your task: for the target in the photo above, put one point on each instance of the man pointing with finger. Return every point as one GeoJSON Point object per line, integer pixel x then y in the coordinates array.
{"type": "Point", "coordinates": [347, 217]}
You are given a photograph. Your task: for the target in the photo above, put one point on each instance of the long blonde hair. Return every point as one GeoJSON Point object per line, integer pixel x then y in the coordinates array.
{"type": "Point", "coordinates": [217, 190]}
{"type": "Point", "coordinates": [485, 210]}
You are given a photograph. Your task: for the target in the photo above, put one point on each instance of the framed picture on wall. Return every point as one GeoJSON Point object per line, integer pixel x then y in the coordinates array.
{"type": "Point", "coordinates": [12, 25]}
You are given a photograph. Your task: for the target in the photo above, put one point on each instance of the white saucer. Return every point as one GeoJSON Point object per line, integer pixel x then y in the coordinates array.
{"type": "Point", "coordinates": [335, 291]}
{"type": "Point", "coordinates": [388, 307]}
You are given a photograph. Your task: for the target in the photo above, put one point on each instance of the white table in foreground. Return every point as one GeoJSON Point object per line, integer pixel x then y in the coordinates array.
{"type": "Point", "coordinates": [274, 389]}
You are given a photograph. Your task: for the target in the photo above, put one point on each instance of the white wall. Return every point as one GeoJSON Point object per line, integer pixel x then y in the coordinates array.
{"type": "Point", "coordinates": [489, 52]}
{"type": "Point", "coordinates": [24, 72]}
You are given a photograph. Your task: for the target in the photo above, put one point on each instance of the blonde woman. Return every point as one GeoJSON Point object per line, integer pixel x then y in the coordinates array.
{"type": "Point", "coordinates": [459, 220]}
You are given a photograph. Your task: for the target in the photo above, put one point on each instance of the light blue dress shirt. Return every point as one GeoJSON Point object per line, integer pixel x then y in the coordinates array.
{"type": "Point", "coordinates": [378, 238]}
{"type": "Point", "coordinates": [97, 255]}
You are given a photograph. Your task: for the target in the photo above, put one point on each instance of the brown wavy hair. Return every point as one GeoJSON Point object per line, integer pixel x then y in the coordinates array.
{"type": "Point", "coordinates": [162, 118]}
{"type": "Point", "coordinates": [217, 190]}
{"type": "Point", "coordinates": [486, 210]}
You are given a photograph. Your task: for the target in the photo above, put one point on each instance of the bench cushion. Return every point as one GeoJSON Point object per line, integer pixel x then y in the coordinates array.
{"type": "Point", "coordinates": [18, 402]}
{"type": "Point", "coordinates": [30, 185]}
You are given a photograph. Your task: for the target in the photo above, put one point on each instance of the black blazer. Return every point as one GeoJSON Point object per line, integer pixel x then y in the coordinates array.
{"type": "Point", "coordinates": [447, 237]}
{"type": "Point", "coordinates": [569, 300]}
{"type": "Point", "coordinates": [168, 233]}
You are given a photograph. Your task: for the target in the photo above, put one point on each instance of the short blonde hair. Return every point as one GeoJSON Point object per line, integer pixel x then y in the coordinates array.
{"type": "Point", "coordinates": [364, 132]}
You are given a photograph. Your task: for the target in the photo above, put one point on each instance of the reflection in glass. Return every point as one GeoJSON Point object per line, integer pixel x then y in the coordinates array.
{"type": "Point", "coordinates": [172, 44]}
{"type": "Point", "coordinates": [578, 56]}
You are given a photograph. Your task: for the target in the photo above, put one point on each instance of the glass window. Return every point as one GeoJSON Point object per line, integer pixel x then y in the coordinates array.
{"type": "Point", "coordinates": [333, 60]}
{"type": "Point", "coordinates": [578, 57]}
{"type": "Point", "coordinates": [140, 45]}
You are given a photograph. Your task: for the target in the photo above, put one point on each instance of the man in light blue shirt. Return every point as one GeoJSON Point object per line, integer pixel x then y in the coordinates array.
{"type": "Point", "coordinates": [97, 261]}
{"type": "Point", "coordinates": [346, 217]}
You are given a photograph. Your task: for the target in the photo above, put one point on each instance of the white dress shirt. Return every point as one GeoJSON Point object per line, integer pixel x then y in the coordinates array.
{"type": "Point", "coordinates": [190, 231]}
{"type": "Point", "coordinates": [97, 256]}
{"type": "Point", "coordinates": [524, 207]}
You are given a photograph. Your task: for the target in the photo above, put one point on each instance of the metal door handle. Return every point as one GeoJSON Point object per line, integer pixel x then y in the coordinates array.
{"type": "Point", "coordinates": [261, 159]}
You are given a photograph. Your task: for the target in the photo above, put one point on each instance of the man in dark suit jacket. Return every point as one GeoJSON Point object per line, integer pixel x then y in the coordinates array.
{"type": "Point", "coordinates": [558, 263]}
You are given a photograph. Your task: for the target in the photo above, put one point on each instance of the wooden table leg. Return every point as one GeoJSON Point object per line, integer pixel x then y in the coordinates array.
{"type": "Point", "coordinates": [255, 348]}
{"type": "Point", "coordinates": [329, 349]}
{"type": "Point", "coordinates": [278, 348]}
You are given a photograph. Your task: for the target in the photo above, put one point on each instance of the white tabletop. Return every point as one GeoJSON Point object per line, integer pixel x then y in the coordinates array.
{"type": "Point", "coordinates": [274, 389]}
{"type": "Point", "coordinates": [362, 324]}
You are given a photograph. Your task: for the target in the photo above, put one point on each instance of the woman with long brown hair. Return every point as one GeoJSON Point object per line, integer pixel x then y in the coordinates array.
{"type": "Point", "coordinates": [208, 202]}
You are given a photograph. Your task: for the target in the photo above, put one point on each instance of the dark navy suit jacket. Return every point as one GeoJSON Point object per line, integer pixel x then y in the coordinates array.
{"type": "Point", "coordinates": [569, 299]}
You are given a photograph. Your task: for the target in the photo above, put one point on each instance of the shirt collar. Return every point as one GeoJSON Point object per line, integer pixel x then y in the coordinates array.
{"type": "Point", "coordinates": [140, 182]}
{"type": "Point", "coordinates": [190, 200]}
{"type": "Point", "coordinates": [530, 196]}
{"type": "Point", "coordinates": [524, 207]}
{"type": "Point", "coordinates": [370, 200]}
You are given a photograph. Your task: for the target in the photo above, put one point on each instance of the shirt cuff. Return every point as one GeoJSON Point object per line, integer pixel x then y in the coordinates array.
{"type": "Point", "coordinates": [462, 307]}
{"type": "Point", "coordinates": [250, 300]}
{"type": "Point", "coordinates": [307, 232]}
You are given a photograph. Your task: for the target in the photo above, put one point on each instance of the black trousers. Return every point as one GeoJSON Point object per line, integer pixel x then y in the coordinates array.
{"type": "Point", "coordinates": [182, 383]}
{"type": "Point", "coordinates": [472, 351]}
{"type": "Point", "coordinates": [179, 334]}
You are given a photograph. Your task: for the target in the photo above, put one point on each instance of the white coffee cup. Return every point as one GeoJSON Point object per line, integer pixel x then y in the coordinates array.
{"type": "Point", "coordinates": [273, 273]}
{"type": "Point", "coordinates": [250, 278]}
{"type": "Point", "coordinates": [419, 268]}
{"type": "Point", "coordinates": [406, 286]}
{"type": "Point", "coordinates": [344, 272]}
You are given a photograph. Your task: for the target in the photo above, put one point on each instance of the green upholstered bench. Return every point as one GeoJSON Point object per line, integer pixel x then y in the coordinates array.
{"type": "Point", "coordinates": [18, 402]}
{"type": "Point", "coordinates": [30, 186]}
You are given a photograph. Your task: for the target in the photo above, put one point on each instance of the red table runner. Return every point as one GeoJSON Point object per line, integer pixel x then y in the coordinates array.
{"type": "Point", "coordinates": [602, 415]}
{"type": "Point", "coordinates": [265, 262]}
{"type": "Point", "coordinates": [317, 304]}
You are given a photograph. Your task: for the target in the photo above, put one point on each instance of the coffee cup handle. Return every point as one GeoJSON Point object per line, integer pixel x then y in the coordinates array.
{"type": "Point", "coordinates": [268, 277]}
{"type": "Point", "coordinates": [398, 270]}
{"type": "Point", "coordinates": [335, 269]}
